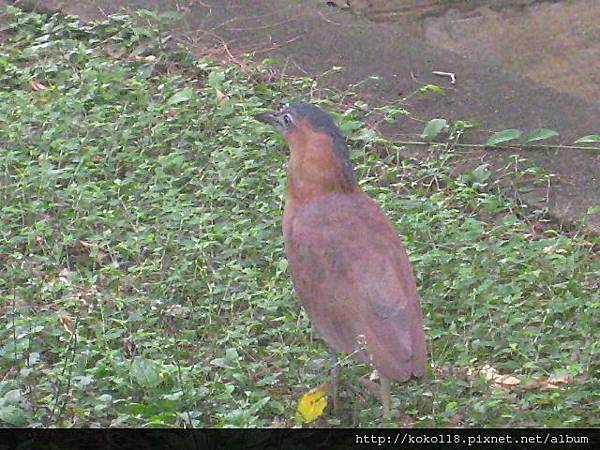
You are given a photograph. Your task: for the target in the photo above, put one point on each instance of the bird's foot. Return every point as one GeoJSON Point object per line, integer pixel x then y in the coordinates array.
{"type": "Point", "coordinates": [381, 391]}
{"type": "Point", "coordinates": [371, 386]}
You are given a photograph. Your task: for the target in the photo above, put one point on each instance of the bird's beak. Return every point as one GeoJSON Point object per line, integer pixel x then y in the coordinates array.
{"type": "Point", "coordinates": [269, 118]}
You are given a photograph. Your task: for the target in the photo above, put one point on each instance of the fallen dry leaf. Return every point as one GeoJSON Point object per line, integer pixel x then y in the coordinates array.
{"type": "Point", "coordinates": [312, 404]}
{"type": "Point", "coordinates": [149, 58]}
{"type": "Point", "coordinates": [456, 420]}
{"type": "Point", "coordinates": [67, 324]}
{"type": "Point", "coordinates": [511, 382]}
{"type": "Point", "coordinates": [548, 383]}
{"type": "Point", "coordinates": [491, 374]}
{"type": "Point", "coordinates": [507, 380]}
{"type": "Point", "coordinates": [88, 244]}
{"type": "Point", "coordinates": [405, 421]}
{"type": "Point", "coordinates": [37, 86]}
{"type": "Point", "coordinates": [565, 379]}
{"type": "Point", "coordinates": [221, 97]}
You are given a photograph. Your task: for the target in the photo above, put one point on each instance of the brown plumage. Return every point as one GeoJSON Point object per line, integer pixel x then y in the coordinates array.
{"type": "Point", "coordinates": [348, 266]}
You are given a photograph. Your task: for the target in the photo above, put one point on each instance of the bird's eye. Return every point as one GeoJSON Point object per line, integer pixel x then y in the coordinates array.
{"type": "Point", "coordinates": [287, 119]}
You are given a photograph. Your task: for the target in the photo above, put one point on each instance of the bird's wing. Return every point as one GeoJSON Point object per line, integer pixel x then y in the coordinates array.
{"type": "Point", "coordinates": [354, 278]}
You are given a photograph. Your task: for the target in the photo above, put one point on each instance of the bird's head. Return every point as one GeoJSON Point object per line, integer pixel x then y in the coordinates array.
{"type": "Point", "coordinates": [314, 138]}
{"type": "Point", "coordinates": [299, 118]}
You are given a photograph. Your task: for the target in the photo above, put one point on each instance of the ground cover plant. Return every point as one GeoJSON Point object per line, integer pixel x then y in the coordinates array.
{"type": "Point", "coordinates": [142, 275]}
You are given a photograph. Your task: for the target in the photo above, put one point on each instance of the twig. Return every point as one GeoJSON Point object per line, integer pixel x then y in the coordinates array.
{"type": "Point", "coordinates": [289, 41]}
{"type": "Point", "coordinates": [404, 13]}
{"type": "Point", "coordinates": [483, 146]}
{"type": "Point", "coordinates": [239, 19]}
{"type": "Point", "coordinates": [227, 50]}
{"type": "Point", "coordinates": [263, 27]}
{"type": "Point", "coordinates": [446, 74]}
{"type": "Point", "coordinates": [339, 24]}
{"type": "Point", "coordinates": [103, 12]}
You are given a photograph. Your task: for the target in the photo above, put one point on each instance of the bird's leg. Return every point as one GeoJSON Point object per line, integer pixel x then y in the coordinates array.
{"type": "Point", "coordinates": [335, 379]}
{"type": "Point", "coordinates": [386, 397]}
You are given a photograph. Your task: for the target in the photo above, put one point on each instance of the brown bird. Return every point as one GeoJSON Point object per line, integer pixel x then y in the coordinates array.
{"type": "Point", "coordinates": [348, 265]}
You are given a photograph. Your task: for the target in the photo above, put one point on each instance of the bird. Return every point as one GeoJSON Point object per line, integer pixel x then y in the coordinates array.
{"type": "Point", "coordinates": [348, 265]}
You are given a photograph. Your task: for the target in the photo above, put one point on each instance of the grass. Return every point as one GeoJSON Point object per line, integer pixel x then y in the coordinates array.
{"type": "Point", "coordinates": [142, 278]}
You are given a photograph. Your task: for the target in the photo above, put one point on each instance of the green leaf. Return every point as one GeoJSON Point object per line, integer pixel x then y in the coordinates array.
{"type": "Point", "coordinates": [182, 96]}
{"type": "Point", "coordinates": [433, 128]}
{"type": "Point", "coordinates": [594, 209]}
{"type": "Point", "coordinates": [169, 15]}
{"type": "Point", "coordinates": [539, 134]}
{"type": "Point", "coordinates": [481, 173]}
{"type": "Point", "coordinates": [431, 88]}
{"type": "Point", "coordinates": [12, 415]}
{"type": "Point", "coordinates": [259, 405]}
{"type": "Point", "coordinates": [282, 264]}
{"type": "Point", "coordinates": [11, 10]}
{"type": "Point", "coordinates": [145, 372]}
{"type": "Point", "coordinates": [347, 127]}
{"type": "Point", "coordinates": [230, 361]}
{"type": "Point", "coordinates": [368, 135]}
{"type": "Point", "coordinates": [232, 356]}
{"type": "Point", "coordinates": [588, 139]}
{"type": "Point", "coordinates": [504, 136]}
{"type": "Point", "coordinates": [215, 79]}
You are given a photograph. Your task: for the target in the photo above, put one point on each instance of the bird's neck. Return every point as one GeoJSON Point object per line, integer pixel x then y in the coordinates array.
{"type": "Point", "coordinates": [314, 174]}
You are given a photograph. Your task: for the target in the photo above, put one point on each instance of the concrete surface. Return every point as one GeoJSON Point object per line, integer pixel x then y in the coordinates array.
{"type": "Point", "coordinates": [311, 36]}
{"type": "Point", "coordinates": [554, 42]}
